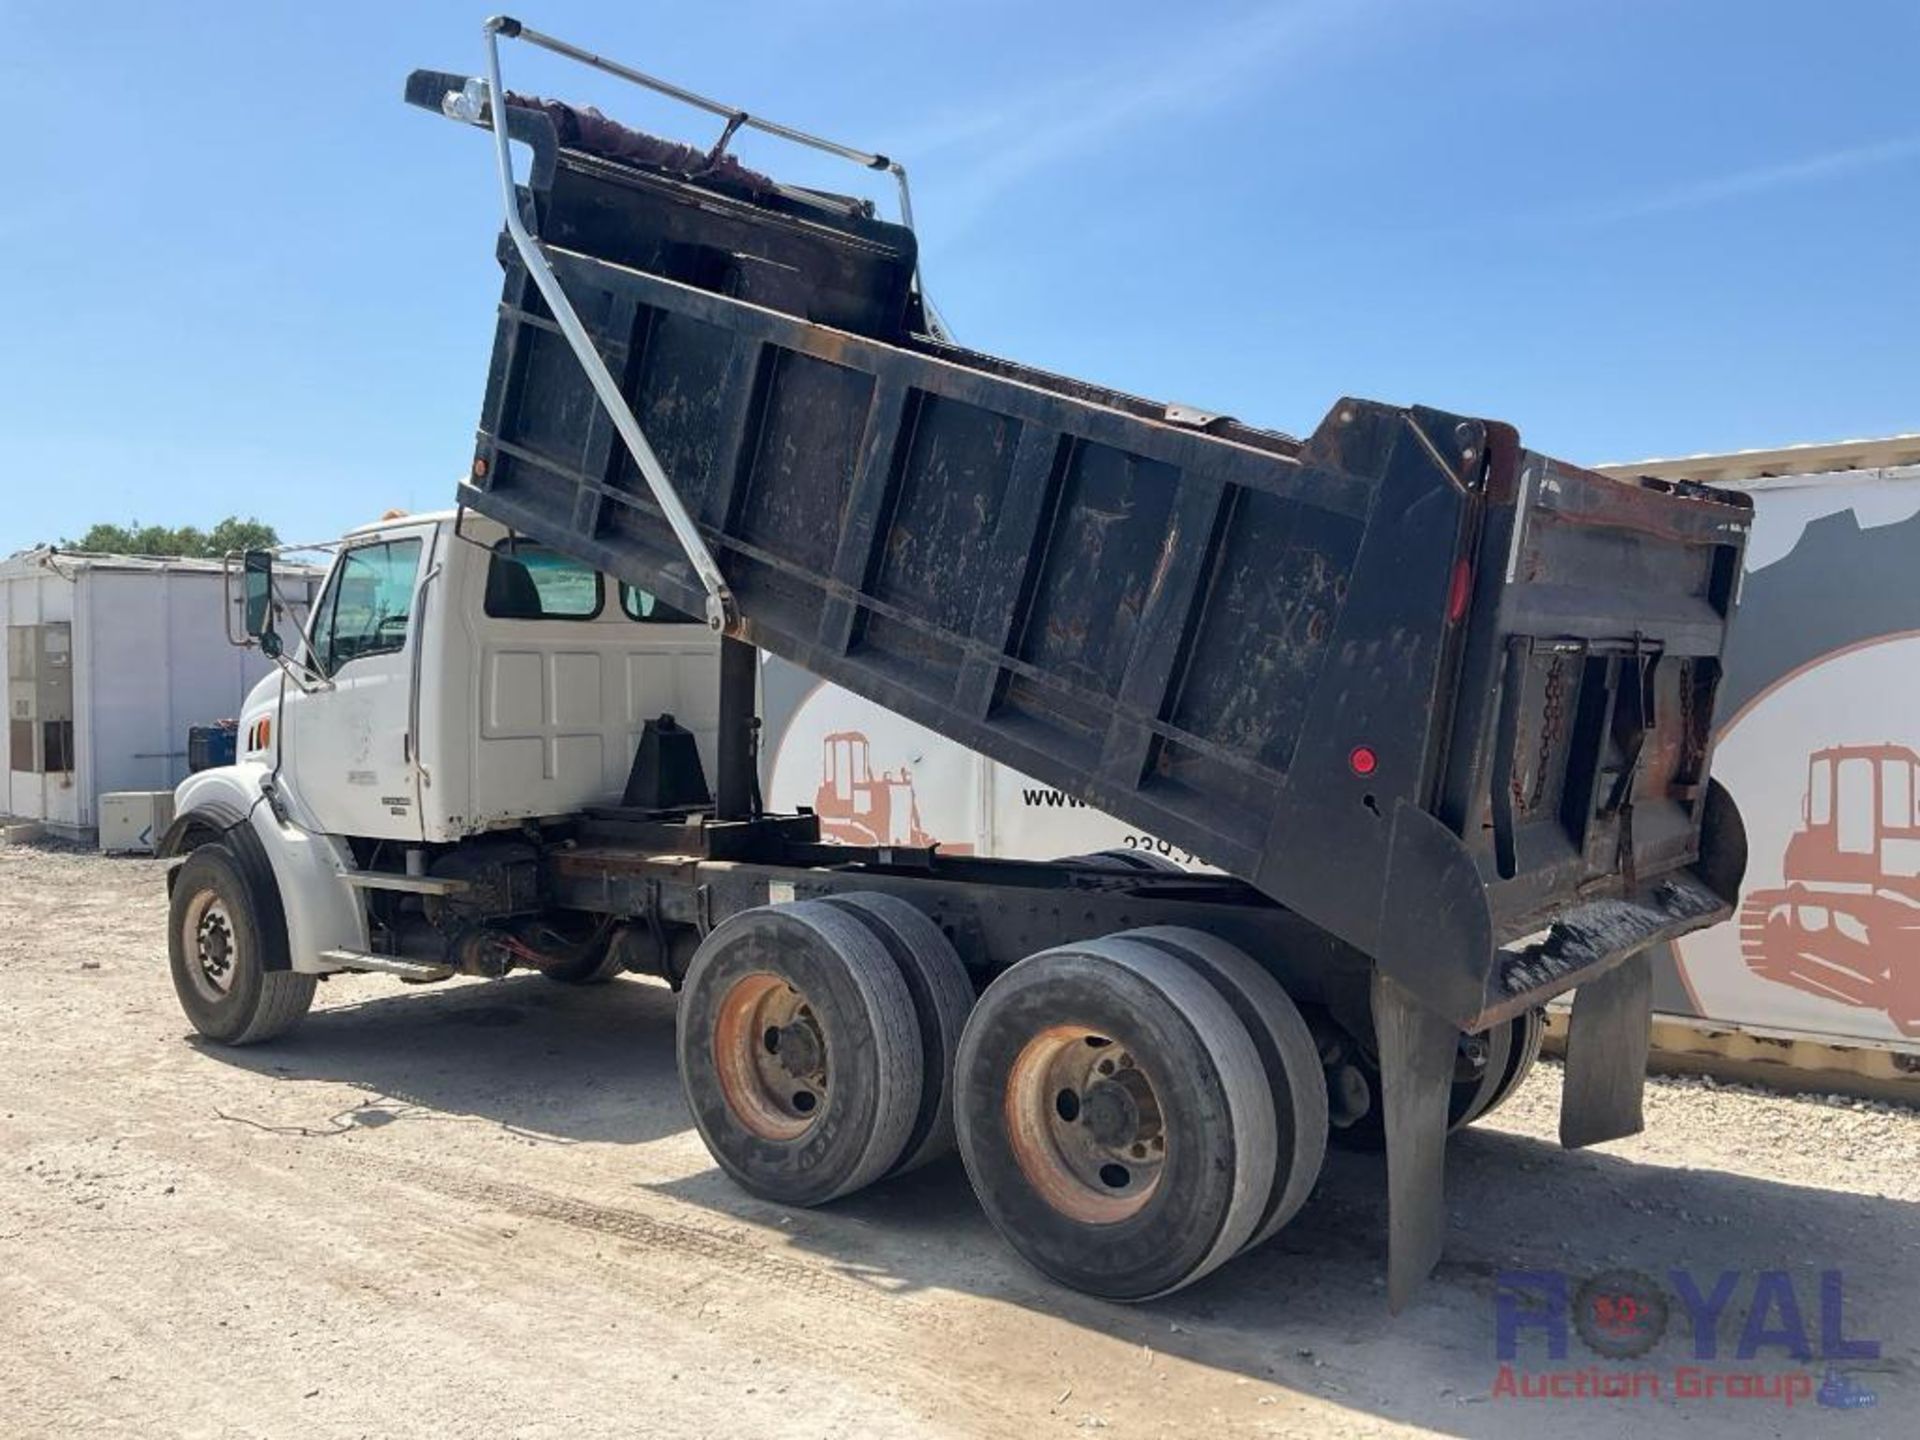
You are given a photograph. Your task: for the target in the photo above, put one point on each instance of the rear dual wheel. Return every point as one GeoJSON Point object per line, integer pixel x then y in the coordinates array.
{"type": "Point", "coordinates": [1125, 858]}
{"type": "Point", "coordinates": [1133, 1111]}
{"type": "Point", "coordinates": [942, 994]}
{"type": "Point", "coordinates": [1121, 1124]}
{"type": "Point", "coordinates": [816, 1043]}
{"type": "Point", "coordinates": [1287, 1053]}
{"type": "Point", "coordinates": [1488, 1068]}
{"type": "Point", "coordinates": [597, 964]}
{"type": "Point", "coordinates": [1526, 1033]}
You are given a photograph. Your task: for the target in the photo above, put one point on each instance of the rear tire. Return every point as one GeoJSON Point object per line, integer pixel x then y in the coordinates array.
{"type": "Point", "coordinates": [222, 937]}
{"type": "Point", "coordinates": [1528, 1031]}
{"type": "Point", "coordinates": [799, 1052]}
{"type": "Point", "coordinates": [942, 995]}
{"type": "Point", "coordinates": [1124, 858]}
{"type": "Point", "coordinates": [1114, 1118]}
{"type": "Point", "coordinates": [1287, 1052]}
{"type": "Point", "coordinates": [1512, 1047]}
{"type": "Point", "coordinates": [599, 964]}
{"type": "Point", "coordinates": [1471, 1097]}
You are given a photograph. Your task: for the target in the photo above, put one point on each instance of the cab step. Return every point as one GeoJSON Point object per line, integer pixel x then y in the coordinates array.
{"type": "Point", "coordinates": [412, 884]}
{"type": "Point", "coordinates": [417, 970]}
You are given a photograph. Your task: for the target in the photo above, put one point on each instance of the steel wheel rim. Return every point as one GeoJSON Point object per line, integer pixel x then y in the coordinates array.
{"type": "Point", "coordinates": [771, 1056]}
{"type": "Point", "coordinates": [1085, 1125]}
{"type": "Point", "coordinates": [212, 950]}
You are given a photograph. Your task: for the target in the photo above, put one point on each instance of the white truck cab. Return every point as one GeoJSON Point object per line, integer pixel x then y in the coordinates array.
{"type": "Point", "coordinates": [453, 680]}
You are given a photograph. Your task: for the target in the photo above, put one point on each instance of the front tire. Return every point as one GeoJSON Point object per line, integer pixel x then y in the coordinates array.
{"type": "Point", "coordinates": [220, 945]}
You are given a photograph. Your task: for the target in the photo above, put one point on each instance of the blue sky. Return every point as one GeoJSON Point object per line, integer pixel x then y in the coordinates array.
{"type": "Point", "coordinates": [242, 276]}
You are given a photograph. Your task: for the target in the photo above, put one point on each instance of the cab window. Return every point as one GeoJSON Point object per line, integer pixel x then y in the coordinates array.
{"type": "Point", "coordinates": [365, 610]}
{"type": "Point", "coordinates": [1820, 791]}
{"type": "Point", "coordinates": [650, 609]}
{"type": "Point", "coordinates": [527, 581]}
{"type": "Point", "coordinates": [1896, 794]}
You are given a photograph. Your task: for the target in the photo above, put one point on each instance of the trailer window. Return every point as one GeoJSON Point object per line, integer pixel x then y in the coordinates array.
{"type": "Point", "coordinates": [1896, 794]}
{"type": "Point", "coordinates": [1853, 788]}
{"type": "Point", "coordinates": [526, 581]}
{"type": "Point", "coordinates": [650, 609]}
{"type": "Point", "coordinates": [1820, 793]}
{"type": "Point", "coordinates": [367, 604]}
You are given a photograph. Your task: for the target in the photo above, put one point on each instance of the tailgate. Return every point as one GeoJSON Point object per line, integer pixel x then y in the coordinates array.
{"type": "Point", "coordinates": [1576, 772]}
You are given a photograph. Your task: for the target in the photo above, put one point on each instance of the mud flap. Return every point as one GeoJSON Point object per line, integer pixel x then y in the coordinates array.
{"type": "Point", "coordinates": [1417, 1050]}
{"type": "Point", "coordinates": [1607, 1041]}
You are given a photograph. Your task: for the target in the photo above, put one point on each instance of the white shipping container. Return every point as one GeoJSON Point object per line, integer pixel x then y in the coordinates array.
{"type": "Point", "coordinates": [109, 660]}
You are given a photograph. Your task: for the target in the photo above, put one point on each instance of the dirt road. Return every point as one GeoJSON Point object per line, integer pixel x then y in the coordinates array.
{"type": "Point", "coordinates": [480, 1209]}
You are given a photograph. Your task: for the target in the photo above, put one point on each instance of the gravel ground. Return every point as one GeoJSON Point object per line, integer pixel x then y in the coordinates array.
{"type": "Point", "coordinates": [479, 1208]}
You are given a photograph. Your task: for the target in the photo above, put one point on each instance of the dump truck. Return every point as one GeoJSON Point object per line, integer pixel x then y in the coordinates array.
{"type": "Point", "coordinates": [1434, 708]}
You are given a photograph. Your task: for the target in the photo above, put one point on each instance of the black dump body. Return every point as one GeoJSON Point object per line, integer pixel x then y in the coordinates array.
{"type": "Point", "coordinates": [1445, 697]}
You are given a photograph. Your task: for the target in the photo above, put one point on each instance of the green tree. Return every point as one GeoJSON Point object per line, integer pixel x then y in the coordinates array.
{"type": "Point", "coordinates": [232, 533]}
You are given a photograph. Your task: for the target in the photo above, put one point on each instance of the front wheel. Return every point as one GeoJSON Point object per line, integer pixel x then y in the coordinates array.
{"type": "Point", "coordinates": [219, 944]}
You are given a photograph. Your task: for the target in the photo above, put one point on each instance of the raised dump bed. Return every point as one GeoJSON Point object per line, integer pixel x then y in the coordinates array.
{"type": "Point", "coordinates": [1446, 697]}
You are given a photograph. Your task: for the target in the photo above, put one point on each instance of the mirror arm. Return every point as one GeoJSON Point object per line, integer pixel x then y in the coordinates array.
{"type": "Point", "coordinates": [310, 680]}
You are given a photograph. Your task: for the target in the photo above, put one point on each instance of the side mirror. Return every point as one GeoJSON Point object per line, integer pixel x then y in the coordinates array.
{"type": "Point", "coordinates": [257, 600]}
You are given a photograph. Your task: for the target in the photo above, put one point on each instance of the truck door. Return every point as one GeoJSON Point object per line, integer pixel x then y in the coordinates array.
{"type": "Point", "coordinates": [351, 747]}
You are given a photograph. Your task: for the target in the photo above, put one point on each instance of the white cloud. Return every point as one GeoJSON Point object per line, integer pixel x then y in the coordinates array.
{"type": "Point", "coordinates": [1186, 70]}
{"type": "Point", "coordinates": [1757, 181]}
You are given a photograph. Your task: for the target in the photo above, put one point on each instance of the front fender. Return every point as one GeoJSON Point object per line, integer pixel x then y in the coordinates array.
{"type": "Point", "coordinates": [321, 911]}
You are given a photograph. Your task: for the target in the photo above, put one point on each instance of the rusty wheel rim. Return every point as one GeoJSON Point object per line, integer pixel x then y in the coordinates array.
{"type": "Point", "coordinates": [1085, 1124]}
{"type": "Point", "coordinates": [213, 948]}
{"type": "Point", "coordinates": [770, 1053]}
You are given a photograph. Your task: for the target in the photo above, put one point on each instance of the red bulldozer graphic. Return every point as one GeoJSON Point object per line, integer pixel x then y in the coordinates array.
{"type": "Point", "coordinates": [1845, 925]}
{"type": "Point", "coordinates": [860, 806]}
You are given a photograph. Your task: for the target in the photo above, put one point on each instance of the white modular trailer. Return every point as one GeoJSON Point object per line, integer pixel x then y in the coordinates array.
{"type": "Point", "coordinates": [1820, 745]}
{"type": "Point", "coordinates": [1819, 742]}
{"type": "Point", "coordinates": [109, 660]}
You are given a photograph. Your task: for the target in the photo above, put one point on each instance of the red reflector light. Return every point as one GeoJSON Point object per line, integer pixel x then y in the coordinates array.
{"type": "Point", "coordinates": [1459, 590]}
{"type": "Point", "coordinates": [1362, 760]}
